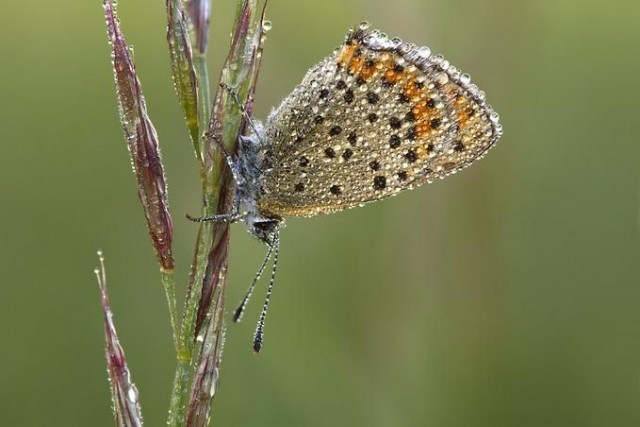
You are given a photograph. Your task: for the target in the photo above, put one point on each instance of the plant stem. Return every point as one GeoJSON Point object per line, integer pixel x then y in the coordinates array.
{"type": "Point", "coordinates": [169, 284]}
{"type": "Point", "coordinates": [179, 397]}
{"type": "Point", "coordinates": [204, 95]}
{"type": "Point", "coordinates": [185, 336]}
{"type": "Point", "coordinates": [200, 338]}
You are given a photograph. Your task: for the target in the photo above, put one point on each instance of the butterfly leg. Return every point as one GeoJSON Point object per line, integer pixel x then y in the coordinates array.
{"type": "Point", "coordinates": [228, 217]}
{"type": "Point", "coordinates": [231, 163]}
{"type": "Point", "coordinates": [242, 107]}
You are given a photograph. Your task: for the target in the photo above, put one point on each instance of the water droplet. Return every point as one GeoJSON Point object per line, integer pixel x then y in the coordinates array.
{"type": "Point", "coordinates": [267, 25]}
{"type": "Point", "coordinates": [132, 394]}
{"type": "Point", "coordinates": [364, 25]}
{"type": "Point", "coordinates": [441, 78]}
{"type": "Point", "coordinates": [214, 381]}
{"type": "Point", "coordinates": [465, 79]}
{"type": "Point", "coordinates": [424, 52]}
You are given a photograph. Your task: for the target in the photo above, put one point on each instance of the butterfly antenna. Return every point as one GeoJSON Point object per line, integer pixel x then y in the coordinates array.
{"type": "Point", "coordinates": [237, 314]}
{"type": "Point", "coordinates": [258, 336]}
{"type": "Point", "coordinates": [240, 105]}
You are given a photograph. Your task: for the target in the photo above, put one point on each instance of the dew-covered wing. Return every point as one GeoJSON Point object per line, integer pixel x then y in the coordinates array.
{"type": "Point", "coordinates": [377, 117]}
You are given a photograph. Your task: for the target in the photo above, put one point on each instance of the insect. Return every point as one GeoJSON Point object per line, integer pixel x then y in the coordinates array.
{"type": "Point", "coordinates": [377, 117]}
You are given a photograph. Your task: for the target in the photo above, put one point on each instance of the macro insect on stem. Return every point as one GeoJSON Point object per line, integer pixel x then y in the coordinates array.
{"type": "Point", "coordinates": [377, 117]}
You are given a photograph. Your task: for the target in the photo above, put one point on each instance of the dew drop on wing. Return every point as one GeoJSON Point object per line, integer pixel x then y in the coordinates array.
{"type": "Point", "coordinates": [424, 52]}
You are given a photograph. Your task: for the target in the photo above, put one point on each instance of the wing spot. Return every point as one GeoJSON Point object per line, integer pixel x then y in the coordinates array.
{"type": "Point", "coordinates": [412, 133]}
{"type": "Point", "coordinates": [395, 123]}
{"type": "Point", "coordinates": [335, 130]}
{"type": "Point", "coordinates": [411, 156]}
{"type": "Point", "coordinates": [330, 153]}
{"type": "Point", "coordinates": [372, 98]}
{"type": "Point", "coordinates": [379, 182]}
{"type": "Point", "coordinates": [352, 138]}
{"type": "Point", "coordinates": [348, 96]}
{"type": "Point", "coordinates": [394, 141]}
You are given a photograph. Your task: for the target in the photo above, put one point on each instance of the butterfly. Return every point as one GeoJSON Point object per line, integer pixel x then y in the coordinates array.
{"type": "Point", "coordinates": [377, 117]}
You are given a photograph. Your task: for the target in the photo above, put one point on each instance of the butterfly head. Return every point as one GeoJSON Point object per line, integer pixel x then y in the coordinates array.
{"type": "Point", "coordinates": [263, 228]}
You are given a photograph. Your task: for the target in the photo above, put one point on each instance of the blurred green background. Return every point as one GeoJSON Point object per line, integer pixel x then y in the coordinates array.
{"type": "Point", "coordinates": [507, 295]}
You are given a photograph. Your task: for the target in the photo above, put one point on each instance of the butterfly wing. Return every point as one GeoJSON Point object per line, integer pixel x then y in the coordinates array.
{"type": "Point", "coordinates": [377, 117]}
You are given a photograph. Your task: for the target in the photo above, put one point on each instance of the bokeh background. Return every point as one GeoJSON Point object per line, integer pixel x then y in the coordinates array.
{"type": "Point", "coordinates": [507, 295]}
